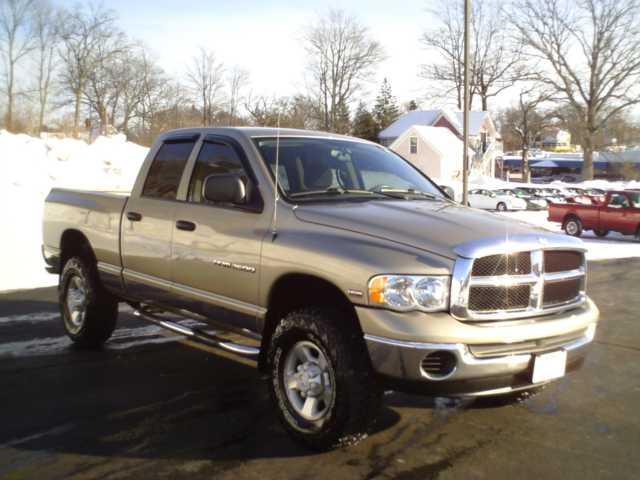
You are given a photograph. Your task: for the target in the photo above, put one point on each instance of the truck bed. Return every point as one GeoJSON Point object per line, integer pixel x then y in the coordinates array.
{"type": "Point", "coordinates": [588, 214]}
{"type": "Point", "coordinates": [96, 215]}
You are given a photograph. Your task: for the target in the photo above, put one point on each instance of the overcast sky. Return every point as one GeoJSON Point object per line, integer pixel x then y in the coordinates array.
{"type": "Point", "coordinates": [265, 37]}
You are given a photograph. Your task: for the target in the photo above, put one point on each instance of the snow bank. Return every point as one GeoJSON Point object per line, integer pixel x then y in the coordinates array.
{"type": "Point", "coordinates": [29, 168]}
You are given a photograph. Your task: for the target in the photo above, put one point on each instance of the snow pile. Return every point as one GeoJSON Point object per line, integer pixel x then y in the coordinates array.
{"type": "Point", "coordinates": [29, 168]}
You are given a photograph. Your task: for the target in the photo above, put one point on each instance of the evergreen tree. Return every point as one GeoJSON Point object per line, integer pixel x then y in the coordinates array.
{"type": "Point", "coordinates": [386, 109]}
{"type": "Point", "coordinates": [364, 125]}
{"type": "Point", "coordinates": [343, 119]}
{"type": "Point", "coordinates": [412, 105]}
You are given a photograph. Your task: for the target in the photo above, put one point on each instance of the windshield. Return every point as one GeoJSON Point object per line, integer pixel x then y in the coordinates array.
{"type": "Point", "coordinates": [311, 168]}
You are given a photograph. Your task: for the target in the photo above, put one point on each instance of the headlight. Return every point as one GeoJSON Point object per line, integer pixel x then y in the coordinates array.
{"type": "Point", "coordinates": [410, 292]}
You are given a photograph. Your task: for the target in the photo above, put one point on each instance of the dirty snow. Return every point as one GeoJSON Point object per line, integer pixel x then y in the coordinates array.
{"type": "Point", "coordinates": [29, 168]}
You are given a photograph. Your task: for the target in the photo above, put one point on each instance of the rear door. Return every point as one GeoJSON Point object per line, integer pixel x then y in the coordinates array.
{"type": "Point", "coordinates": [216, 247]}
{"type": "Point", "coordinates": [147, 226]}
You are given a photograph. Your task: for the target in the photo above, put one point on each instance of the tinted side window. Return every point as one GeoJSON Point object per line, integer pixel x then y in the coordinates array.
{"type": "Point", "coordinates": [216, 159]}
{"type": "Point", "coordinates": [164, 175]}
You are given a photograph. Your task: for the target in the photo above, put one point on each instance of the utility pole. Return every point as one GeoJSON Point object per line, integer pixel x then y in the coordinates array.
{"type": "Point", "coordinates": [465, 128]}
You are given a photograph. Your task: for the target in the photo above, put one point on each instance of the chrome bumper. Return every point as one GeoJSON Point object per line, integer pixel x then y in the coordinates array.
{"type": "Point", "coordinates": [472, 376]}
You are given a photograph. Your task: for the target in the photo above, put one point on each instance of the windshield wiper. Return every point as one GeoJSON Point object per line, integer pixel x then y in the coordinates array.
{"type": "Point", "coordinates": [334, 191]}
{"type": "Point", "coordinates": [403, 192]}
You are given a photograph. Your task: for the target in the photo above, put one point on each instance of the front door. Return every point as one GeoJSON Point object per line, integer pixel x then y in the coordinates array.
{"type": "Point", "coordinates": [617, 214]}
{"type": "Point", "coordinates": [148, 223]}
{"type": "Point", "coordinates": [216, 247]}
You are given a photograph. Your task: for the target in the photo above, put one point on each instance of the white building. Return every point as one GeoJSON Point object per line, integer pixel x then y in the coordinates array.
{"type": "Point", "coordinates": [484, 138]}
{"type": "Point", "coordinates": [436, 151]}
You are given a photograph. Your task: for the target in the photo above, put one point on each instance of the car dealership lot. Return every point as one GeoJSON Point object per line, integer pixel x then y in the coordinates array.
{"type": "Point", "coordinates": [149, 406]}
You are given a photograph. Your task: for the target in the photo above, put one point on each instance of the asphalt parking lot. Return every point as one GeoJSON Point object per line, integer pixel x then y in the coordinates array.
{"type": "Point", "coordinates": [149, 406]}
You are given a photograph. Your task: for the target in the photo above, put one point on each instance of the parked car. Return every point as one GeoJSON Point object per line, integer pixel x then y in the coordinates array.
{"type": "Point", "coordinates": [534, 202]}
{"type": "Point", "coordinates": [552, 195]}
{"type": "Point", "coordinates": [335, 264]}
{"type": "Point", "coordinates": [619, 212]}
{"type": "Point", "coordinates": [494, 200]}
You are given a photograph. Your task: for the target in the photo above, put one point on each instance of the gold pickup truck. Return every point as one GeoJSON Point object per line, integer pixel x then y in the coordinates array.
{"type": "Point", "coordinates": [333, 262]}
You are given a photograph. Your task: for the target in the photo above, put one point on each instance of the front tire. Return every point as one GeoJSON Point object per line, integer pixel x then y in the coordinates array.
{"type": "Point", "coordinates": [501, 207]}
{"type": "Point", "coordinates": [321, 379]}
{"type": "Point", "coordinates": [573, 226]}
{"type": "Point", "coordinates": [88, 312]}
{"type": "Point", "coordinates": [601, 233]}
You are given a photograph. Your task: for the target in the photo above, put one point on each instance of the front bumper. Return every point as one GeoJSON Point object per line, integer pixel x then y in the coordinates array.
{"type": "Point", "coordinates": [489, 359]}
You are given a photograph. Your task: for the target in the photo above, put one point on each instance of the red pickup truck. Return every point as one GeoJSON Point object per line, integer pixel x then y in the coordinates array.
{"type": "Point", "coordinates": [619, 212]}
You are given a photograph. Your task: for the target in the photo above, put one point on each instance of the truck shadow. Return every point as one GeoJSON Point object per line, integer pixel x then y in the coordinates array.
{"type": "Point", "coordinates": [168, 402]}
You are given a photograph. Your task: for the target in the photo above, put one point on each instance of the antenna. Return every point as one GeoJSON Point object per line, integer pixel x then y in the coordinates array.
{"type": "Point", "coordinates": [276, 197]}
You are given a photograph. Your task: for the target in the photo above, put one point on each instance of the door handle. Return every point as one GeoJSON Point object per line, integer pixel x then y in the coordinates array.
{"type": "Point", "coordinates": [134, 216]}
{"type": "Point", "coordinates": [185, 225]}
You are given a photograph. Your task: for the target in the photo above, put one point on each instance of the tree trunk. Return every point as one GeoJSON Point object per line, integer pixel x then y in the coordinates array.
{"type": "Point", "coordinates": [104, 119]}
{"type": "Point", "coordinates": [526, 171]}
{"type": "Point", "coordinates": [76, 115]}
{"type": "Point", "coordinates": [10, 99]}
{"type": "Point", "coordinates": [587, 163]}
{"type": "Point", "coordinates": [41, 118]}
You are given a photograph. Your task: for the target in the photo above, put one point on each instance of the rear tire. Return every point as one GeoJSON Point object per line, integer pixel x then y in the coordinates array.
{"type": "Point", "coordinates": [501, 207]}
{"type": "Point", "coordinates": [601, 233]}
{"type": "Point", "coordinates": [88, 312]}
{"type": "Point", "coordinates": [321, 379]}
{"type": "Point", "coordinates": [573, 226]}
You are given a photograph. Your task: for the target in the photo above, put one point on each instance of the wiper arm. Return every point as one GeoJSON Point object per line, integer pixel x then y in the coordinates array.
{"type": "Point", "coordinates": [333, 191]}
{"type": "Point", "coordinates": [403, 192]}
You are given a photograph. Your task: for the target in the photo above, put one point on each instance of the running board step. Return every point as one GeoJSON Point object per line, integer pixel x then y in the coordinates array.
{"type": "Point", "coordinates": [199, 335]}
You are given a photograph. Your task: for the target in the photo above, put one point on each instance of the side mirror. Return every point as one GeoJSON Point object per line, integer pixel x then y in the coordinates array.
{"type": "Point", "coordinates": [224, 188]}
{"type": "Point", "coordinates": [448, 192]}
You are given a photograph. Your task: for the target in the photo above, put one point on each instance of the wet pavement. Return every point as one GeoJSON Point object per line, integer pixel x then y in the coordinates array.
{"type": "Point", "coordinates": [150, 406]}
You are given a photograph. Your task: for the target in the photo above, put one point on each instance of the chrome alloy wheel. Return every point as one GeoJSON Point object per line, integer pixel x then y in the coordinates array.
{"type": "Point", "coordinates": [309, 381]}
{"type": "Point", "coordinates": [76, 304]}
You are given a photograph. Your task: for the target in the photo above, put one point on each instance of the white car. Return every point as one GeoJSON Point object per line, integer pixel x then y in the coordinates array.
{"type": "Point", "coordinates": [488, 200]}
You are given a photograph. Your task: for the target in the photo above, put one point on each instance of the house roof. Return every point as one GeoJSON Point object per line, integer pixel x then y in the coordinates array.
{"type": "Point", "coordinates": [441, 139]}
{"type": "Point", "coordinates": [429, 117]}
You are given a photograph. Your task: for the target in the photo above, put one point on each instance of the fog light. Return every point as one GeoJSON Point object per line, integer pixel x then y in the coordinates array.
{"type": "Point", "coordinates": [438, 365]}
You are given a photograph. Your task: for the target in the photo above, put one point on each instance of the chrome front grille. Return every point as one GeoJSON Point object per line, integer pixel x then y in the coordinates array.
{"type": "Point", "coordinates": [517, 284]}
{"type": "Point", "coordinates": [488, 299]}
{"type": "Point", "coordinates": [512, 264]}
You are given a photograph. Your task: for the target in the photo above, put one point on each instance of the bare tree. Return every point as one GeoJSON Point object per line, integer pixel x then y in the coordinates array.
{"type": "Point", "coordinates": [447, 40]}
{"type": "Point", "coordinates": [109, 70]}
{"type": "Point", "coordinates": [206, 79]}
{"type": "Point", "coordinates": [298, 111]}
{"type": "Point", "coordinates": [84, 35]}
{"type": "Point", "coordinates": [342, 55]}
{"type": "Point", "coordinates": [527, 122]}
{"type": "Point", "coordinates": [497, 60]}
{"type": "Point", "coordinates": [47, 23]}
{"type": "Point", "coordinates": [238, 79]}
{"type": "Point", "coordinates": [16, 41]}
{"type": "Point", "coordinates": [590, 49]}
{"type": "Point", "coordinates": [154, 86]}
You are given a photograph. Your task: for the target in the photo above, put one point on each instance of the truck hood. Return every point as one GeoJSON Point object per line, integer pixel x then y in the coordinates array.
{"type": "Point", "coordinates": [434, 226]}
